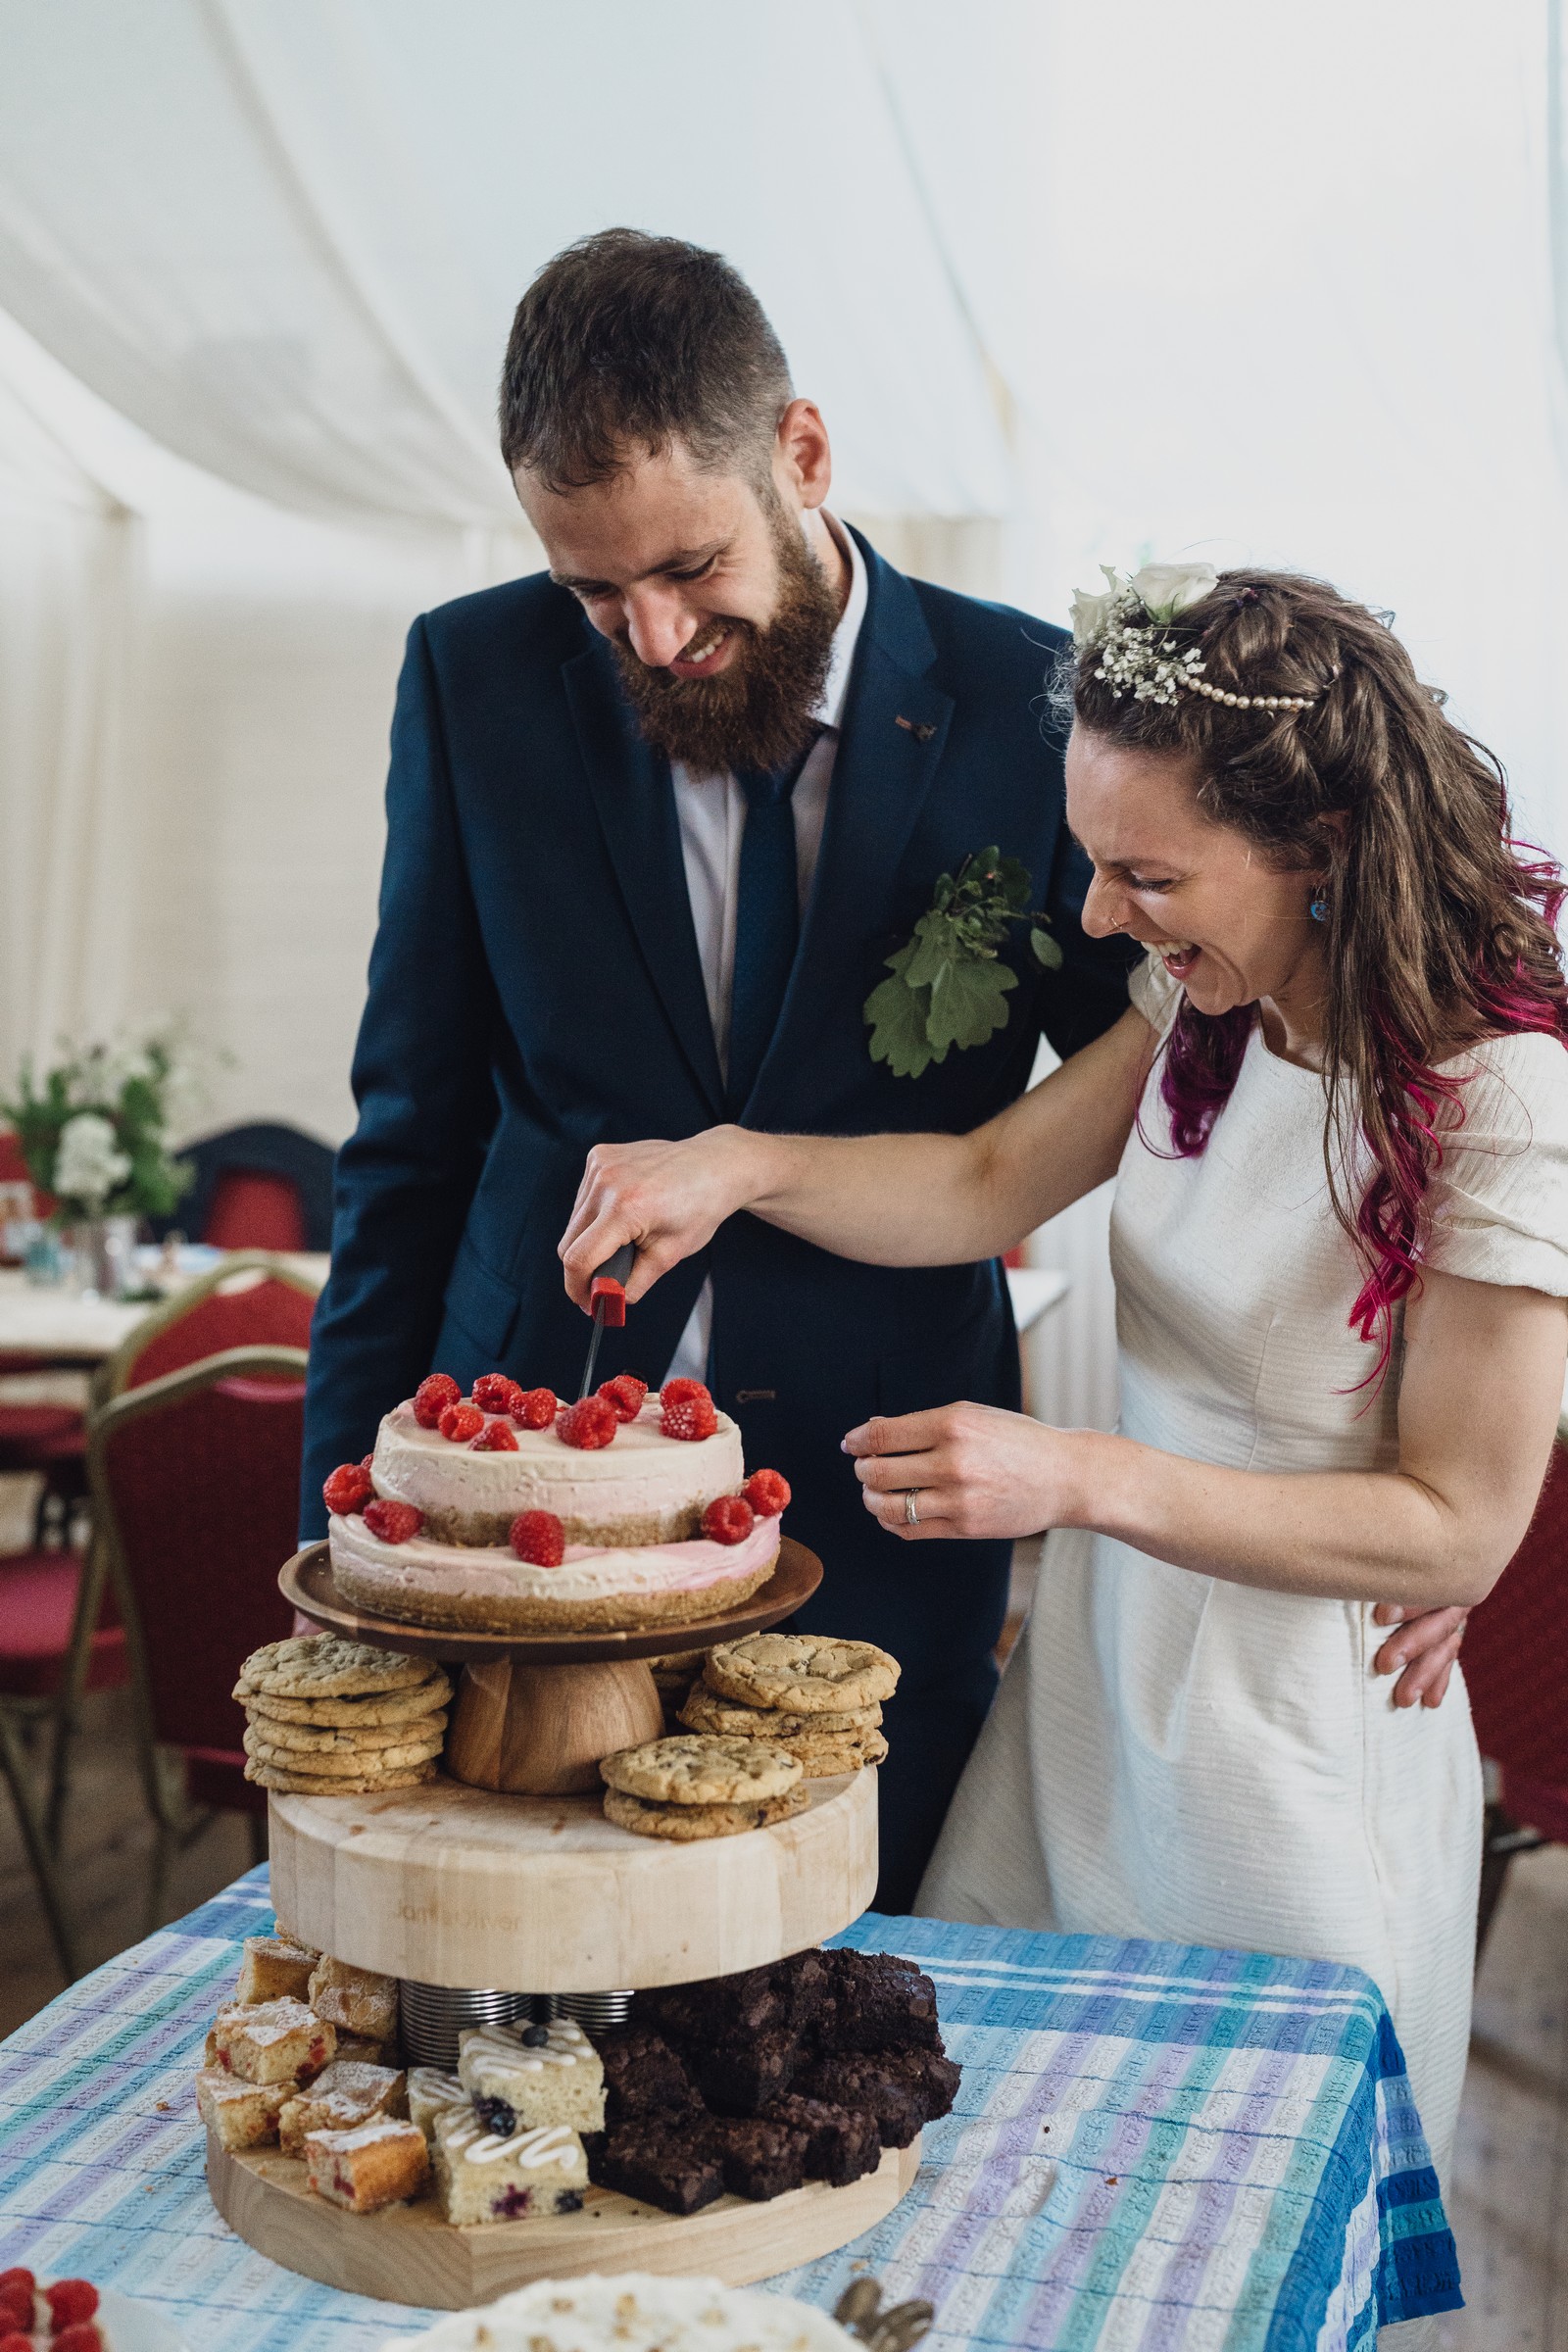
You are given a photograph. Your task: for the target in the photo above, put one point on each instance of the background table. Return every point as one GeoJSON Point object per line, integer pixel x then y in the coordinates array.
{"type": "Point", "coordinates": [51, 1321]}
{"type": "Point", "coordinates": [1152, 2146]}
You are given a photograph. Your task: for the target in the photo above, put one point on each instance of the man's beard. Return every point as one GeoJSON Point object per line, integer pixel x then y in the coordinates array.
{"type": "Point", "coordinates": [757, 711]}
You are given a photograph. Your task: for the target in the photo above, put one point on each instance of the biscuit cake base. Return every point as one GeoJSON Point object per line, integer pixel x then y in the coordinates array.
{"type": "Point", "coordinates": [409, 2254]}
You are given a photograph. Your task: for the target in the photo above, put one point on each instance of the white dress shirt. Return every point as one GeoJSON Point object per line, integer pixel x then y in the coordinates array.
{"type": "Point", "coordinates": [712, 810]}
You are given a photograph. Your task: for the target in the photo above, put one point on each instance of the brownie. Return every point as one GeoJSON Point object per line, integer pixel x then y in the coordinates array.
{"type": "Point", "coordinates": [643, 2075]}
{"type": "Point", "coordinates": [841, 2142]}
{"type": "Point", "coordinates": [871, 2083]}
{"type": "Point", "coordinates": [739, 2074]}
{"type": "Point", "coordinates": [804, 1982]}
{"type": "Point", "coordinates": [878, 2002]}
{"type": "Point", "coordinates": [758, 2159]}
{"type": "Point", "coordinates": [670, 2168]}
{"type": "Point", "coordinates": [933, 2078]}
{"type": "Point", "coordinates": [692, 2016]}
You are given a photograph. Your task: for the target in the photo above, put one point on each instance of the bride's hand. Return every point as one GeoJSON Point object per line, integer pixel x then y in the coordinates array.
{"type": "Point", "coordinates": [669, 1198]}
{"type": "Point", "coordinates": [976, 1471]}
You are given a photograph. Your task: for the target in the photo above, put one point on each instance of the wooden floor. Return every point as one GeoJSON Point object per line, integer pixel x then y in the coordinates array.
{"type": "Point", "coordinates": [1509, 2201]}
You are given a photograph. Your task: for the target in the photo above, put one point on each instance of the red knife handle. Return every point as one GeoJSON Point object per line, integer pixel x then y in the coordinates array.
{"type": "Point", "coordinates": [608, 1299]}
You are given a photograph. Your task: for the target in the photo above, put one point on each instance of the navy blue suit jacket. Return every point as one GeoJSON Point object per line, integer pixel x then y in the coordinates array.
{"type": "Point", "coordinates": [535, 988]}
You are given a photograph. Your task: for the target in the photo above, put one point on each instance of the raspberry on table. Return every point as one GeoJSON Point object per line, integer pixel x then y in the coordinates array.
{"type": "Point", "coordinates": [689, 1417]}
{"type": "Point", "coordinates": [393, 1522]}
{"type": "Point", "coordinates": [69, 2300]}
{"type": "Point", "coordinates": [461, 1422]}
{"type": "Point", "coordinates": [767, 1491]}
{"type": "Point", "coordinates": [538, 1538]}
{"type": "Point", "coordinates": [18, 2276]}
{"type": "Point", "coordinates": [680, 1392]}
{"type": "Point", "coordinates": [729, 1520]}
{"type": "Point", "coordinates": [495, 1393]}
{"type": "Point", "coordinates": [588, 1424]}
{"type": "Point", "coordinates": [348, 1489]}
{"type": "Point", "coordinates": [432, 1396]}
{"type": "Point", "coordinates": [626, 1393]}
{"type": "Point", "coordinates": [535, 1408]}
{"type": "Point", "coordinates": [494, 1438]}
{"type": "Point", "coordinates": [14, 2340]}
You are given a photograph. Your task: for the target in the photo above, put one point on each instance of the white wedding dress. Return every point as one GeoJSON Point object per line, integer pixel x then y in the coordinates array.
{"type": "Point", "coordinates": [1178, 1757]}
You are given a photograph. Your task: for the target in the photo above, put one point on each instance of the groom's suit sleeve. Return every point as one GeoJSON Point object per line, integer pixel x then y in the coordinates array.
{"type": "Point", "coordinates": [422, 1082]}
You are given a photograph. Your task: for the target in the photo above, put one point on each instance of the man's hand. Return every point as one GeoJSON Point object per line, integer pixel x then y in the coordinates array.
{"type": "Point", "coordinates": [669, 1198]}
{"type": "Point", "coordinates": [1422, 1652]}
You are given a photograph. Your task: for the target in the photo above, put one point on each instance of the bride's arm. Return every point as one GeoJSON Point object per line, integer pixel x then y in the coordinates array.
{"type": "Point", "coordinates": [1479, 1402]}
{"type": "Point", "coordinates": [888, 1200]}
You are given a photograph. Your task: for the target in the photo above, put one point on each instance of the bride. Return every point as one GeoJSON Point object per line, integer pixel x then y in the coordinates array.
{"type": "Point", "coordinates": [1337, 1112]}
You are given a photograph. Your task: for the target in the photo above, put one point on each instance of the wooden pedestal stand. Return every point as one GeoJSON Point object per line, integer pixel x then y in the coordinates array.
{"type": "Point", "coordinates": [536, 1711]}
{"type": "Point", "coordinates": [468, 1883]}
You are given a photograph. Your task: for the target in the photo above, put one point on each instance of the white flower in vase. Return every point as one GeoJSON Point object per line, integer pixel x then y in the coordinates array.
{"type": "Point", "coordinates": [88, 1162]}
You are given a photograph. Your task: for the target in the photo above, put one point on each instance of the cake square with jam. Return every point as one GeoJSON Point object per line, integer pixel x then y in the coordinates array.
{"type": "Point", "coordinates": [522, 2078]}
{"type": "Point", "coordinates": [482, 2177]}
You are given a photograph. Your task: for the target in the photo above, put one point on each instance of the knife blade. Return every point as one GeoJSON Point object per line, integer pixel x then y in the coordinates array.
{"type": "Point", "coordinates": [607, 1294]}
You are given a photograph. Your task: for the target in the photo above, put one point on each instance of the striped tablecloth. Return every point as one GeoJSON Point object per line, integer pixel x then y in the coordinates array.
{"type": "Point", "coordinates": [1154, 2147]}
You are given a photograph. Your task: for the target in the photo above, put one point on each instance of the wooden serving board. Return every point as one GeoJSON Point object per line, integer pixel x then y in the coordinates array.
{"type": "Point", "coordinates": [450, 1884]}
{"type": "Point", "coordinates": [408, 2254]}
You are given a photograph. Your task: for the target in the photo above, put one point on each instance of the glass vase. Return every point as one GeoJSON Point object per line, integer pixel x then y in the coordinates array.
{"type": "Point", "coordinates": [101, 1254]}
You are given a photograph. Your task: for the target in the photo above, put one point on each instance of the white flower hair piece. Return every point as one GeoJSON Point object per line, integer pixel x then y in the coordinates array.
{"type": "Point", "coordinates": [1129, 623]}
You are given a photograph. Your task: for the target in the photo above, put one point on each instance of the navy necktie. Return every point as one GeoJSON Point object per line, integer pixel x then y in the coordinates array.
{"type": "Point", "coordinates": [767, 918]}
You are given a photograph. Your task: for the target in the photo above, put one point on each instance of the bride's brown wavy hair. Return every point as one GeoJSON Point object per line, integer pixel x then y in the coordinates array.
{"type": "Point", "coordinates": [1439, 926]}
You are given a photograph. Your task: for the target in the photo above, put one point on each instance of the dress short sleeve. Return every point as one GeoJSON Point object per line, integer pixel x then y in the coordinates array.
{"type": "Point", "coordinates": [1156, 996]}
{"type": "Point", "coordinates": [1499, 1203]}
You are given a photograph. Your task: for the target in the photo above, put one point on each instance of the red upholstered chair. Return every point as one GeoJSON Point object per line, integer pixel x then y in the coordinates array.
{"type": "Point", "coordinates": [254, 1211]}
{"type": "Point", "coordinates": [40, 1596]}
{"type": "Point", "coordinates": [195, 1483]}
{"type": "Point", "coordinates": [250, 1301]}
{"type": "Point", "coordinates": [1516, 1670]}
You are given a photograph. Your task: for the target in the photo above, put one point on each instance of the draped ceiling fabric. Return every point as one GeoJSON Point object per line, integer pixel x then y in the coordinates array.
{"type": "Point", "coordinates": [287, 236]}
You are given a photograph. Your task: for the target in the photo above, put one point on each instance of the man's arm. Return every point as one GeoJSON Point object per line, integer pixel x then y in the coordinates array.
{"type": "Point", "coordinates": [422, 1082]}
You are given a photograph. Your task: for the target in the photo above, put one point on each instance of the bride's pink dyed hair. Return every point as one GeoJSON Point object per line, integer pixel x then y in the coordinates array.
{"type": "Point", "coordinates": [1440, 928]}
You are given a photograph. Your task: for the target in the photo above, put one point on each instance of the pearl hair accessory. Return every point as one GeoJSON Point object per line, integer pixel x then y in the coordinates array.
{"type": "Point", "coordinates": [1128, 624]}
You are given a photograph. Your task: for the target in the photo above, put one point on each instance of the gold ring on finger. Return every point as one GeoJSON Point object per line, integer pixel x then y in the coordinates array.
{"type": "Point", "coordinates": [911, 1515]}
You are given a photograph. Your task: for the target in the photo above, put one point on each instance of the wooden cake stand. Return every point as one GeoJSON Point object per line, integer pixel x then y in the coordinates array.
{"type": "Point", "coordinates": [536, 1711]}
{"type": "Point", "coordinates": [507, 1874]}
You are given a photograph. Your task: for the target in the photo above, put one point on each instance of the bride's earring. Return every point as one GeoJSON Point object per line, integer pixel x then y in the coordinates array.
{"type": "Point", "coordinates": [1319, 909]}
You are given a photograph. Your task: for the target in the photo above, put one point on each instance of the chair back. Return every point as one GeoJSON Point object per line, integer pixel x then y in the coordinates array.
{"type": "Point", "coordinates": [264, 1186]}
{"type": "Point", "coordinates": [251, 1300]}
{"type": "Point", "coordinates": [1516, 1664]}
{"type": "Point", "coordinates": [195, 1480]}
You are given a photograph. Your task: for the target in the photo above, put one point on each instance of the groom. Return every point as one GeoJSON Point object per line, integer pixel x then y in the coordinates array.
{"type": "Point", "coordinates": [655, 820]}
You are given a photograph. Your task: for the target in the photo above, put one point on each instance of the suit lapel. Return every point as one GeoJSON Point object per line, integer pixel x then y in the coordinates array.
{"type": "Point", "coordinates": [636, 806]}
{"type": "Point", "coordinates": [894, 727]}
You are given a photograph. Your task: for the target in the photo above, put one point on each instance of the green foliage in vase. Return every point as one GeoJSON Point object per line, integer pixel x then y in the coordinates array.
{"type": "Point", "coordinates": [949, 985]}
{"type": "Point", "coordinates": [93, 1131]}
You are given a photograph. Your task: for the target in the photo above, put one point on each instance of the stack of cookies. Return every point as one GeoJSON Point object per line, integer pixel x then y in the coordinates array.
{"type": "Point", "coordinates": [817, 1698]}
{"type": "Point", "coordinates": [673, 1677]}
{"type": "Point", "coordinates": [332, 1717]}
{"type": "Point", "coordinates": [687, 1787]}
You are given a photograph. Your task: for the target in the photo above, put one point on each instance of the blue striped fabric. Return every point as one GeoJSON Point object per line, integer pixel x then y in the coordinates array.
{"type": "Point", "coordinates": [1154, 2147]}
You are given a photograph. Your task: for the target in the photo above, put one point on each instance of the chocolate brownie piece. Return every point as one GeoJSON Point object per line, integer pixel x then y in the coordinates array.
{"type": "Point", "coordinates": [692, 2016]}
{"type": "Point", "coordinates": [758, 2159]}
{"type": "Point", "coordinates": [879, 2002]}
{"type": "Point", "coordinates": [841, 2142]}
{"type": "Point", "coordinates": [666, 2166]}
{"type": "Point", "coordinates": [643, 2076]}
{"type": "Point", "coordinates": [738, 2076]}
{"type": "Point", "coordinates": [804, 1982]}
{"type": "Point", "coordinates": [933, 2078]}
{"type": "Point", "coordinates": [869, 2082]}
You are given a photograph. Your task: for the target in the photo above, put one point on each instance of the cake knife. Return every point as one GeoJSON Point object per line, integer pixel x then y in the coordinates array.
{"type": "Point", "coordinates": [608, 1295]}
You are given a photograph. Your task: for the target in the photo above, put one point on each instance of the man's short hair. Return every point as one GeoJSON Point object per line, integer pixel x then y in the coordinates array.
{"type": "Point", "coordinates": [628, 342]}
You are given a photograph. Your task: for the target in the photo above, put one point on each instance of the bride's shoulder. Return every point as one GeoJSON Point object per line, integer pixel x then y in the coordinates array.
{"type": "Point", "coordinates": [1512, 1086]}
{"type": "Point", "coordinates": [1499, 1197]}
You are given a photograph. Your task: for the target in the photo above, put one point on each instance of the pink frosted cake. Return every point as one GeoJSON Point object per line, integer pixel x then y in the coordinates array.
{"type": "Point", "coordinates": [507, 1511]}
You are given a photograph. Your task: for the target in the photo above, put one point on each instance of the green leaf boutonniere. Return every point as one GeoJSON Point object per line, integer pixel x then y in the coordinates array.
{"type": "Point", "coordinates": [950, 986]}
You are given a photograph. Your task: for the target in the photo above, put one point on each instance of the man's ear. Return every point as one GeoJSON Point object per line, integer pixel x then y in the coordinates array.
{"type": "Point", "coordinates": [802, 457]}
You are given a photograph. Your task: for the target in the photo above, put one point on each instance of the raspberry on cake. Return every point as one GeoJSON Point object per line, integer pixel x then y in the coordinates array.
{"type": "Point", "coordinates": [627, 1393]}
{"type": "Point", "coordinates": [536, 1408]}
{"type": "Point", "coordinates": [383, 2161]}
{"type": "Point", "coordinates": [524, 2076]}
{"type": "Point", "coordinates": [484, 2175]}
{"type": "Point", "coordinates": [589, 1423]}
{"type": "Point", "coordinates": [242, 2115]}
{"type": "Point", "coordinates": [767, 1491]}
{"type": "Point", "coordinates": [539, 1537]}
{"type": "Point", "coordinates": [728, 1519]}
{"type": "Point", "coordinates": [494, 1438]}
{"type": "Point", "coordinates": [273, 2041]}
{"type": "Point", "coordinates": [690, 1418]}
{"type": "Point", "coordinates": [392, 1522]}
{"type": "Point", "coordinates": [432, 1396]}
{"type": "Point", "coordinates": [348, 1489]}
{"type": "Point", "coordinates": [494, 1392]}
{"type": "Point", "coordinates": [461, 1422]}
